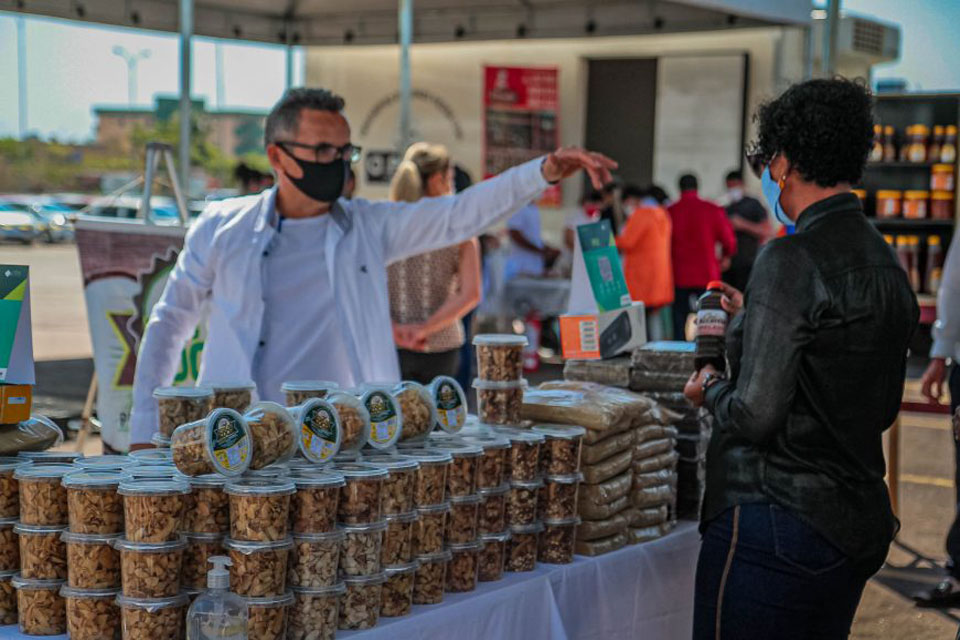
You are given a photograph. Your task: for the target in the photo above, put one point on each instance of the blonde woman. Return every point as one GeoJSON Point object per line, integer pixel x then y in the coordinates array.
{"type": "Point", "coordinates": [431, 292]}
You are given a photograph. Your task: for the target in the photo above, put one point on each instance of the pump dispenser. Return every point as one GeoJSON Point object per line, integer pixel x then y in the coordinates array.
{"type": "Point", "coordinates": [217, 614]}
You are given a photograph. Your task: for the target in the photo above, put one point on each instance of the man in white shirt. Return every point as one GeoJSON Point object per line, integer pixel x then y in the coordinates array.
{"type": "Point", "coordinates": [294, 278]}
{"type": "Point", "coordinates": [528, 254]}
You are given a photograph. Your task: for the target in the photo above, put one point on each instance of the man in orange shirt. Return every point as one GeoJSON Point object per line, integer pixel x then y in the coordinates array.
{"type": "Point", "coordinates": [645, 245]}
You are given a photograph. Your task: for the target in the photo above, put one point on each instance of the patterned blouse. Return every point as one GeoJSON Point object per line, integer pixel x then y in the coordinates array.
{"type": "Point", "coordinates": [420, 285]}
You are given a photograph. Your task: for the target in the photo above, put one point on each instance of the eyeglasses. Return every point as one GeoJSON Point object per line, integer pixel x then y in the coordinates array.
{"type": "Point", "coordinates": [324, 152]}
{"type": "Point", "coordinates": [756, 160]}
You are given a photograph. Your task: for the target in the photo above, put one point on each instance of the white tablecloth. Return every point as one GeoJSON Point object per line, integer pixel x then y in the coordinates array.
{"type": "Point", "coordinates": [642, 591]}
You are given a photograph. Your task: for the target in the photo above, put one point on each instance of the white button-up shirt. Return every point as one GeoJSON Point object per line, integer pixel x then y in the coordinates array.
{"type": "Point", "coordinates": [222, 268]}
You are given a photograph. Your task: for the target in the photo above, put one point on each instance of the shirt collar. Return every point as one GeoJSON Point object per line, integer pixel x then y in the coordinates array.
{"type": "Point", "coordinates": [815, 213]}
{"type": "Point", "coordinates": [268, 216]}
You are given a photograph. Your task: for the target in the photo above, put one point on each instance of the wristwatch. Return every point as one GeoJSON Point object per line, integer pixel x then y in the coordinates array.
{"type": "Point", "coordinates": [709, 380]}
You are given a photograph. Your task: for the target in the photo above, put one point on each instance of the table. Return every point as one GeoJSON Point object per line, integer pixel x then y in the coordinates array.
{"type": "Point", "coordinates": [645, 590]}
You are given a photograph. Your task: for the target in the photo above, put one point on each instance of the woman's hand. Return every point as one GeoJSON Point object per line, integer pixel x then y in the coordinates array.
{"type": "Point", "coordinates": [412, 337]}
{"type": "Point", "coordinates": [732, 300]}
{"type": "Point", "coordinates": [694, 387]}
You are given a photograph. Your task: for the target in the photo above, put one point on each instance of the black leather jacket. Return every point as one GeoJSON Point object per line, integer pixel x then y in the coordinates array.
{"type": "Point", "coordinates": [818, 361]}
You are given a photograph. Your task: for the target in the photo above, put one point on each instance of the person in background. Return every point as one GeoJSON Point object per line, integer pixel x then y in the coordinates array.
{"type": "Point", "coordinates": [946, 346]}
{"type": "Point", "coordinates": [698, 227]}
{"type": "Point", "coordinates": [430, 292]}
{"type": "Point", "coordinates": [529, 255]}
{"type": "Point", "coordinates": [645, 245]}
{"type": "Point", "coordinates": [462, 180]}
{"type": "Point", "coordinates": [250, 180]}
{"type": "Point", "coordinates": [611, 209]}
{"type": "Point", "coordinates": [752, 227]}
{"type": "Point", "coordinates": [796, 516]}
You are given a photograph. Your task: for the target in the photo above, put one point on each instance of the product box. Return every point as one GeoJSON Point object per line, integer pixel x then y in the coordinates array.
{"type": "Point", "coordinates": [603, 335]}
{"type": "Point", "coordinates": [16, 344]}
{"type": "Point", "coordinates": [15, 403]}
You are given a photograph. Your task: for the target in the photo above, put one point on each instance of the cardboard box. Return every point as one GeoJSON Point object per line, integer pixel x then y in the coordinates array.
{"type": "Point", "coordinates": [15, 403]}
{"type": "Point", "coordinates": [604, 335]}
{"type": "Point", "coordinates": [16, 340]}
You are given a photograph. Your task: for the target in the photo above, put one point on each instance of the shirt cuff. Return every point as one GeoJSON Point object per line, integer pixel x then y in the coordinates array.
{"type": "Point", "coordinates": [712, 396]}
{"type": "Point", "coordinates": [942, 349]}
{"type": "Point", "coordinates": [533, 174]}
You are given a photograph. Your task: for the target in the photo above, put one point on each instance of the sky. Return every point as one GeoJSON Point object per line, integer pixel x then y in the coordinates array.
{"type": "Point", "coordinates": [71, 67]}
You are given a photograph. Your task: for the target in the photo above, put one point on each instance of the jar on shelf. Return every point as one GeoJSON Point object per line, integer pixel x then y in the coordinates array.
{"type": "Point", "coordinates": [889, 203]}
{"type": "Point", "coordinates": [936, 143]}
{"type": "Point", "coordinates": [915, 205]}
{"type": "Point", "coordinates": [917, 148]}
{"type": "Point", "coordinates": [876, 153]}
{"type": "Point", "coordinates": [941, 205]}
{"type": "Point", "coordinates": [948, 152]}
{"type": "Point", "coordinates": [934, 264]}
{"type": "Point", "coordinates": [942, 177]}
{"type": "Point", "coordinates": [889, 144]}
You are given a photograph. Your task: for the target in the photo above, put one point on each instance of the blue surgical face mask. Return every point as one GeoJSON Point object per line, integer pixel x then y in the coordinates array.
{"type": "Point", "coordinates": [771, 191]}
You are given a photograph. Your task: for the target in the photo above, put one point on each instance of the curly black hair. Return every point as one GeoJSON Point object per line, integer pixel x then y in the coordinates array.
{"type": "Point", "coordinates": [824, 128]}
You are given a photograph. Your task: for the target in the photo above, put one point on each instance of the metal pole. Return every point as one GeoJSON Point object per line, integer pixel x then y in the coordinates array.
{"type": "Point", "coordinates": [186, 33]}
{"type": "Point", "coordinates": [406, 36]}
{"type": "Point", "coordinates": [22, 76]}
{"type": "Point", "coordinates": [288, 63]}
{"type": "Point", "coordinates": [831, 32]}
{"type": "Point", "coordinates": [131, 81]}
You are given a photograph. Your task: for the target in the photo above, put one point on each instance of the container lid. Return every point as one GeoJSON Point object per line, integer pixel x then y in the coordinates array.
{"type": "Point", "coordinates": [227, 439]}
{"type": "Point", "coordinates": [326, 536]}
{"type": "Point", "coordinates": [566, 478]}
{"type": "Point", "coordinates": [488, 442]}
{"type": "Point", "coordinates": [561, 522]}
{"type": "Point", "coordinates": [425, 395]}
{"type": "Point", "coordinates": [536, 483]}
{"type": "Point", "coordinates": [151, 456]}
{"type": "Point", "coordinates": [299, 463]}
{"type": "Point", "coordinates": [942, 195]}
{"type": "Point", "coordinates": [436, 556]}
{"type": "Point", "coordinates": [246, 548]}
{"type": "Point", "coordinates": [275, 471]}
{"type": "Point", "coordinates": [208, 480]}
{"type": "Point", "coordinates": [347, 457]}
{"type": "Point", "coordinates": [386, 419]}
{"type": "Point", "coordinates": [942, 168]}
{"type": "Point", "coordinates": [330, 590]}
{"type": "Point", "coordinates": [43, 456]}
{"type": "Point", "coordinates": [318, 479]}
{"type": "Point", "coordinates": [377, 578]}
{"type": "Point", "coordinates": [342, 402]}
{"type": "Point", "coordinates": [89, 538]}
{"type": "Point", "coordinates": [38, 529]}
{"type": "Point", "coordinates": [161, 441]}
{"type": "Point", "coordinates": [72, 592]}
{"type": "Point", "coordinates": [11, 462]}
{"type": "Point", "coordinates": [503, 536]}
{"type": "Point", "coordinates": [457, 547]}
{"type": "Point", "coordinates": [560, 431]}
{"type": "Point", "coordinates": [521, 435]}
{"type": "Point", "coordinates": [152, 605]}
{"type": "Point", "coordinates": [122, 544]}
{"type": "Point", "coordinates": [429, 456]}
{"type": "Point", "coordinates": [202, 536]}
{"type": "Point", "coordinates": [889, 193]}
{"type": "Point", "coordinates": [319, 432]}
{"type": "Point", "coordinates": [471, 499]}
{"type": "Point", "coordinates": [493, 385]}
{"type": "Point", "coordinates": [495, 491]}
{"type": "Point", "coordinates": [153, 487]}
{"type": "Point", "coordinates": [309, 385]}
{"type": "Point", "coordinates": [460, 449]}
{"type": "Point", "coordinates": [400, 569]}
{"type": "Point", "coordinates": [20, 582]}
{"type": "Point", "coordinates": [230, 385]}
{"type": "Point", "coordinates": [379, 525]}
{"type": "Point", "coordinates": [284, 600]}
{"type": "Point", "coordinates": [147, 471]}
{"type": "Point", "coordinates": [90, 479]}
{"type": "Point", "coordinates": [916, 195]}
{"type": "Point", "coordinates": [450, 402]}
{"type": "Point", "coordinates": [7, 575]}
{"type": "Point", "coordinates": [191, 393]}
{"type": "Point", "coordinates": [500, 340]}
{"type": "Point", "coordinates": [443, 507]}
{"type": "Point", "coordinates": [7, 523]}
{"type": "Point", "coordinates": [393, 463]}
{"type": "Point", "coordinates": [260, 487]}
{"type": "Point", "coordinates": [352, 470]}
{"type": "Point", "coordinates": [408, 516]}
{"type": "Point", "coordinates": [521, 529]}
{"type": "Point", "coordinates": [51, 472]}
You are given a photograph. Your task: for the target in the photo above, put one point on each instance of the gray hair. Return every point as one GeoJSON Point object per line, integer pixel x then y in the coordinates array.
{"type": "Point", "coordinates": [284, 118]}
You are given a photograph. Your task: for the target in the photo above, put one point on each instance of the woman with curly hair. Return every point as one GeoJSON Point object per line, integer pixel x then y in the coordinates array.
{"type": "Point", "coordinates": [796, 515]}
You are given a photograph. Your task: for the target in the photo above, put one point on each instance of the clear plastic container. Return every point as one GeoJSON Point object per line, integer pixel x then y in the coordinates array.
{"type": "Point", "coordinates": [102, 463]}
{"type": "Point", "coordinates": [299, 391]}
{"type": "Point", "coordinates": [93, 561]}
{"type": "Point", "coordinates": [492, 465]}
{"type": "Point", "coordinates": [93, 504]}
{"type": "Point", "coordinates": [274, 432]}
{"type": "Point", "coordinates": [276, 471]}
{"type": "Point", "coordinates": [259, 568]}
{"type": "Point", "coordinates": [232, 395]}
{"type": "Point", "coordinates": [9, 546]}
{"type": "Point", "coordinates": [361, 496]}
{"type": "Point", "coordinates": [360, 607]}
{"type": "Point", "coordinates": [267, 617]}
{"type": "Point", "coordinates": [499, 356]}
{"type": "Point", "coordinates": [43, 555]}
{"type": "Point", "coordinates": [42, 611]}
{"type": "Point", "coordinates": [220, 443]}
{"type": "Point", "coordinates": [313, 508]}
{"type": "Point", "coordinates": [200, 548]}
{"type": "Point", "coordinates": [397, 545]}
{"type": "Point", "coordinates": [430, 486]}
{"type": "Point", "coordinates": [431, 577]}
{"type": "Point", "coordinates": [558, 496]}
{"type": "Point", "coordinates": [397, 597]}
{"type": "Point", "coordinates": [523, 462]}
{"type": "Point", "coordinates": [181, 405]}
{"type": "Point", "coordinates": [499, 403]}
{"type": "Point", "coordinates": [161, 441]}
{"type": "Point", "coordinates": [522, 501]}
{"type": "Point", "coordinates": [92, 614]}
{"type": "Point", "coordinates": [417, 408]}
{"type": "Point", "coordinates": [429, 530]}
{"type": "Point", "coordinates": [462, 570]}
{"type": "Point", "coordinates": [8, 598]}
{"type": "Point", "coordinates": [153, 618]}
{"type": "Point", "coordinates": [315, 614]}
{"type": "Point", "coordinates": [315, 559]}
{"type": "Point", "coordinates": [386, 420]}
{"type": "Point", "coordinates": [43, 428]}
{"type": "Point", "coordinates": [493, 555]}
{"type": "Point", "coordinates": [492, 517]}
{"type": "Point", "coordinates": [354, 421]}
{"type": "Point", "coordinates": [522, 547]}
{"type": "Point", "coordinates": [450, 402]}
{"type": "Point", "coordinates": [260, 509]}
{"type": "Point", "coordinates": [319, 432]}
{"type": "Point", "coordinates": [10, 486]}
{"type": "Point", "coordinates": [151, 456]}
{"type": "Point", "coordinates": [462, 525]}
{"type": "Point", "coordinates": [399, 486]}
{"type": "Point", "coordinates": [207, 506]}
{"type": "Point", "coordinates": [558, 540]}
{"type": "Point", "coordinates": [560, 453]}
{"type": "Point", "coordinates": [462, 475]}
{"type": "Point", "coordinates": [43, 499]}
{"type": "Point", "coordinates": [153, 472]}
{"type": "Point", "coordinates": [150, 569]}
{"type": "Point", "coordinates": [360, 551]}
{"type": "Point", "coordinates": [153, 509]}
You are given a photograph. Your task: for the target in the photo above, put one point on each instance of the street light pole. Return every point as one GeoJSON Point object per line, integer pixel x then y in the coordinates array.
{"type": "Point", "coordinates": [131, 59]}
{"type": "Point", "coordinates": [405, 18]}
{"type": "Point", "coordinates": [22, 76]}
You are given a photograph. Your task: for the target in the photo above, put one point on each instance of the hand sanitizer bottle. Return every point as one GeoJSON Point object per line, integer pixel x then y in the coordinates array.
{"type": "Point", "coordinates": [217, 614]}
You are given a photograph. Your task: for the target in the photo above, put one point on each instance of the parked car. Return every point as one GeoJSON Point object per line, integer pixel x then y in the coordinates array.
{"type": "Point", "coordinates": [126, 208]}
{"type": "Point", "coordinates": [18, 225]}
{"type": "Point", "coordinates": [55, 217]}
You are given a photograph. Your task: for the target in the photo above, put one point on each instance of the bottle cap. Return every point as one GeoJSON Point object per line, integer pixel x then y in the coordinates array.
{"type": "Point", "coordinates": [715, 284]}
{"type": "Point", "coordinates": [219, 576]}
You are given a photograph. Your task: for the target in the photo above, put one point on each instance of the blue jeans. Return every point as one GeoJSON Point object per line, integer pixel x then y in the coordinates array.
{"type": "Point", "coordinates": [763, 573]}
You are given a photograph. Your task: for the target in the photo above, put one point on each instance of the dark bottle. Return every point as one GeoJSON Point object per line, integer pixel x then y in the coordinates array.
{"type": "Point", "coordinates": [711, 329]}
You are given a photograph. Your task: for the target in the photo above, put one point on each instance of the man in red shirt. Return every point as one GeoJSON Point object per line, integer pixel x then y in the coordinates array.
{"type": "Point", "coordinates": [699, 227]}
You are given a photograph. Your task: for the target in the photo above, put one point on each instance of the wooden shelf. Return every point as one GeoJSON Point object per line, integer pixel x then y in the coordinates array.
{"type": "Point", "coordinates": [903, 165]}
{"type": "Point", "coordinates": [905, 224]}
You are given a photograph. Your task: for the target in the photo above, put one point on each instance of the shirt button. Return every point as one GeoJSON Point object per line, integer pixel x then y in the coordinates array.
{"type": "Point", "coordinates": [262, 343]}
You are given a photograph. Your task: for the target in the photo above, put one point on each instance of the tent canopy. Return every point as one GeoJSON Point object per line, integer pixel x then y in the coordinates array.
{"type": "Point", "coordinates": [334, 22]}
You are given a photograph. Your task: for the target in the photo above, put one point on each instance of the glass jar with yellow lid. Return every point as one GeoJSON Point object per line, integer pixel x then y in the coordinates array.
{"type": "Point", "coordinates": [889, 203]}
{"type": "Point", "coordinates": [915, 206]}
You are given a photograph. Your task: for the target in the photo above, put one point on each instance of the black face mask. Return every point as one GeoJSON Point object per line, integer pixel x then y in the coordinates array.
{"type": "Point", "coordinates": [321, 181]}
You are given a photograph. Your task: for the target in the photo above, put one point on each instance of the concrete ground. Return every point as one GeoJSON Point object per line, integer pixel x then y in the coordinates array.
{"type": "Point", "coordinates": [927, 494]}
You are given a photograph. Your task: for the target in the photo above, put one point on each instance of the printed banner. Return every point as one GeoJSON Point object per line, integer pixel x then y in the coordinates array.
{"type": "Point", "coordinates": [125, 265]}
{"type": "Point", "coordinates": [521, 107]}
